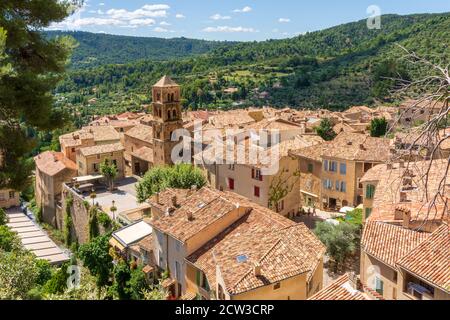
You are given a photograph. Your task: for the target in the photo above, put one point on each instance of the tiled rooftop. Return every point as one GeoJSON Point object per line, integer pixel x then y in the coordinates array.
{"type": "Point", "coordinates": [166, 198]}
{"type": "Point", "coordinates": [430, 260]}
{"type": "Point", "coordinates": [144, 153]}
{"type": "Point", "coordinates": [391, 181]}
{"type": "Point", "coordinates": [52, 163]}
{"type": "Point", "coordinates": [389, 243]}
{"type": "Point", "coordinates": [101, 149]}
{"type": "Point", "coordinates": [358, 147]}
{"type": "Point", "coordinates": [282, 248]}
{"type": "Point", "coordinates": [141, 132]}
{"type": "Point", "coordinates": [341, 289]}
{"type": "Point", "coordinates": [206, 207]}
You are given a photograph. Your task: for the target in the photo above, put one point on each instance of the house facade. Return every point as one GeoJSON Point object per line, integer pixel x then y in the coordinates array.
{"type": "Point", "coordinates": [52, 170]}
{"type": "Point", "coordinates": [219, 245]}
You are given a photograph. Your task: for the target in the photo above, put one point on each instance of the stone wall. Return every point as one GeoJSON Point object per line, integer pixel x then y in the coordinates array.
{"type": "Point", "coordinates": [79, 211]}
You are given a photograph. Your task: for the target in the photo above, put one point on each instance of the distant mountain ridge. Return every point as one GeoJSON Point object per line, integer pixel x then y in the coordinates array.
{"type": "Point", "coordinates": [99, 49]}
{"type": "Point", "coordinates": [334, 68]}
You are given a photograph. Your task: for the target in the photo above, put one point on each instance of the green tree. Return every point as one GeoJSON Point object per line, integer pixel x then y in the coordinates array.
{"type": "Point", "coordinates": [95, 256]}
{"type": "Point", "coordinates": [122, 275]}
{"type": "Point", "coordinates": [342, 240]}
{"type": "Point", "coordinates": [109, 171]}
{"type": "Point", "coordinates": [156, 292]}
{"type": "Point", "coordinates": [9, 241]}
{"type": "Point", "coordinates": [181, 176]}
{"type": "Point", "coordinates": [18, 274]}
{"type": "Point", "coordinates": [325, 130]}
{"type": "Point", "coordinates": [58, 282]}
{"type": "Point", "coordinates": [44, 270]}
{"type": "Point", "coordinates": [378, 127]}
{"type": "Point", "coordinates": [34, 65]}
{"type": "Point", "coordinates": [3, 217]}
{"type": "Point", "coordinates": [137, 284]}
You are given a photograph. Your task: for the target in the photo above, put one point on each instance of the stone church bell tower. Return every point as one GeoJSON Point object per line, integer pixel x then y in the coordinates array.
{"type": "Point", "coordinates": [167, 118]}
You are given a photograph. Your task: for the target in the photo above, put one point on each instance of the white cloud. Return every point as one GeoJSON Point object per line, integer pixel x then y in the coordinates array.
{"type": "Point", "coordinates": [162, 30]}
{"type": "Point", "coordinates": [243, 10]}
{"type": "Point", "coordinates": [229, 29]}
{"type": "Point", "coordinates": [155, 7]}
{"type": "Point", "coordinates": [137, 14]}
{"type": "Point", "coordinates": [284, 20]}
{"type": "Point", "coordinates": [218, 16]}
{"type": "Point", "coordinates": [101, 4]}
{"type": "Point", "coordinates": [180, 16]}
{"type": "Point", "coordinates": [164, 23]}
{"type": "Point", "coordinates": [142, 22]}
{"type": "Point", "coordinates": [82, 22]}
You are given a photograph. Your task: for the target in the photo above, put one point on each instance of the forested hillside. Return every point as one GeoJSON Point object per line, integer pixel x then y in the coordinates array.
{"type": "Point", "coordinates": [334, 68]}
{"type": "Point", "coordinates": [96, 49]}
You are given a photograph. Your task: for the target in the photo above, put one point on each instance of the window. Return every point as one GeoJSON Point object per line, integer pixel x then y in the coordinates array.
{"type": "Point", "coordinates": [231, 184]}
{"type": "Point", "coordinates": [231, 167]}
{"type": "Point", "coordinates": [379, 285]}
{"type": "Point", "coordinates": [98, 157]}
{"type": "Point", "coordinates": [277, 286]}
{"type": "Point", "coordinates": [333, 166]}
{"type": "Point", "coordinates": [12, 194]}
{"type": "Point", "coordinates": [310, 167]}
{"type": "Point", "coordinates": [343, 186]}
{"type": "Point", "coordinates": [370, 191]}
{"type": "Point", "coordinates": [95, 167]}
{"type": "Point", "coordinates": [328, 184]}
{"type": "Point", "coordinates": [256, 192]}
{"type": "Point", "coordinates": [114, 163]}
{"type": "Point", "coordinates": [2, 197]}
{"type": "Point", "coordinates": [256, 174]}
{"type": "Point", "coordinates": [73, 149]}
{"type": "Point", "coordinates": [325, 165]}
{"type": "Point", "coordinates": [343, 168]}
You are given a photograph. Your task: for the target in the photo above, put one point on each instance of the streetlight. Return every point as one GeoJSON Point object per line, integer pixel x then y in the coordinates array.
{"type": "Point", "coordinates": [113, 210]}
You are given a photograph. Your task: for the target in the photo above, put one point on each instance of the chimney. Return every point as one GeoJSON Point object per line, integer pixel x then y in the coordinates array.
{"type": "Point", "coordinates": [361, 146]}
{"type": "Point", "coordinates": [353, 281]}
{"type": "Point", "coordinates": [257, 269]}
{"type": "Point", "coordinates": [403, 196]}
{"type": "Point", "coordinates": [389, 166]}
{"type": "Point", "coordinates": [189, 215]}
{"type": "Point", "coordinates": [174, 201]}
{"type": "Point", "coordinates": [398, 215]}
{"type": "Point", "coordinates": [406, 218]}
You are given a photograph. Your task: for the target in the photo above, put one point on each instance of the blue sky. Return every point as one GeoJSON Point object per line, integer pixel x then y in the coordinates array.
{"type": "Point", "coordinates": [242, 20]}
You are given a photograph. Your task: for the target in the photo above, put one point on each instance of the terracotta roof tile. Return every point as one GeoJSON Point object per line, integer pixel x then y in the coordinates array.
{"type": "Point", "coordinates": [358, 147]}
{"type": "Point", "coordinates": [341, 289]}
{"type": "Point", "coordinates": [141, 132]}
{"type": "Point", "coordinates": [166, 198]}
{"type": "Point", "coordinates": [206, 206]}
{"type": "Point", "coordinates": [430, 260]}
{"type": "Point", "coordinates": [52, 163]}
{"type": "Point", "coordinates": [389, 243]}
{"type": "Point", "coordinates": [281, 247]}
{"type": "Point", "coordinates": [144, 153]}
{"type": "Point", "coordinates": [101, 149]}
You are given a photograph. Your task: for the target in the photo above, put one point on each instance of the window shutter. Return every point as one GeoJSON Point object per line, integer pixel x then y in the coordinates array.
{"type": "Point", "coordinates": [253, 173]}
{"type": "Point", "coordinates": [198, 275]}
{"type": "Point", "coordinates": [260, 177]}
